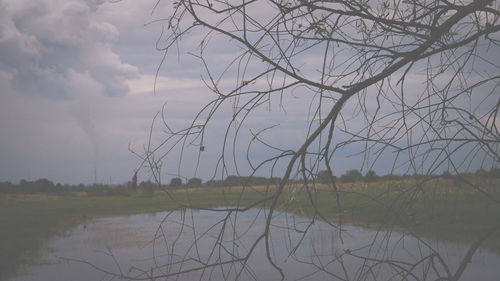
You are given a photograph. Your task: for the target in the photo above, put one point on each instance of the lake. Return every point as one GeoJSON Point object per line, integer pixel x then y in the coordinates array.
{"type": "Point", "coordinates": [167, 243]}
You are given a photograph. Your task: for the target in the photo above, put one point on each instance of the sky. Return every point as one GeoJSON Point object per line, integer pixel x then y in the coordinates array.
{"type": "Point", "coordinates": [78, 93]}
{"type": "Point", "coordinates": [76, 88]}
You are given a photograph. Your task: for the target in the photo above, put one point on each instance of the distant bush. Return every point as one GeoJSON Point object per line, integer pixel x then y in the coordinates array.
{"type": "Point", "coordinates": [324, 177]}
{"type": "Point", "coordinates": [390, 177]}
{"type": "Point", "coordinates": [213, 183]}
{"type": "Point", "coordinates": [126, 190]}
{"type": "Point", "coordinates": [351, 176]}
{"type": "Point", "coordinates": [7, 187]}
{"type": "Point", "coordinates": [148, 188]}
{"type": "Point", "coordinates": [239, 181]}
{"type": "Point", "coordinates": [106, 190]}
{"type": "Point", "coordinates": [252, 180]}
{"type": "Point", "coordinates": [494, 173]}
{"type": "Point", "coordinates": [176, 182]}
{"type": "Point", "coordinates": [371, 176]}
{"type": "Point", "coordinates": [446, 175]}
{"type": "Point", "coordinates": [194, 182]}
{"type": "Point", "coordinates": [481, 173]}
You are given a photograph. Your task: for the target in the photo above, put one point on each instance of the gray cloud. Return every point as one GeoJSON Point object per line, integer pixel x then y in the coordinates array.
{"type": "Point", "coordinates": [60, 49]}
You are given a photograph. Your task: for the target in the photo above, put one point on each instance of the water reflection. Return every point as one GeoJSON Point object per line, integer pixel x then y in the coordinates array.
{"type": "Point", "coordinates": [164, 244]}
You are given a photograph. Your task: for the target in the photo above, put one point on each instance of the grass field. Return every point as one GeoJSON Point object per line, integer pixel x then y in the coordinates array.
{"type": "Point", "coordinates": [438, 208]}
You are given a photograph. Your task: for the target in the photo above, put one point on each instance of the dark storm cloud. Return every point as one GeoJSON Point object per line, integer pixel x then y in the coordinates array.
{"type": "Point", "coordinates": [60, 49]}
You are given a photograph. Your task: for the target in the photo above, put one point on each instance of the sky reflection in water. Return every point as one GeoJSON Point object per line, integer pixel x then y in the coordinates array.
{"type": "Point", "coordinates": [125, 244]}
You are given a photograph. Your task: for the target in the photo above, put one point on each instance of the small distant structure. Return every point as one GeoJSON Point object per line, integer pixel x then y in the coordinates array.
{"type": "Point", "coordinates": [133, 182]}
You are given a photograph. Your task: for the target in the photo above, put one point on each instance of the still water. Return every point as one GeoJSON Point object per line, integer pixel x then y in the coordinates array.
{"type": "Point", "coordinates": [166, 243]}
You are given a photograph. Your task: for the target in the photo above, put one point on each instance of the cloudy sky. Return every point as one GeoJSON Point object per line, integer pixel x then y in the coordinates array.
{"type": "Point", "coordinates": [77, 92]}
{"type": "Point", "coordinates": [76, 88]}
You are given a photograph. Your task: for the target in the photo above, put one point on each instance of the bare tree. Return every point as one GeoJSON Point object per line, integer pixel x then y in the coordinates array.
{"type": "Point", "coordinates": [411, 83]}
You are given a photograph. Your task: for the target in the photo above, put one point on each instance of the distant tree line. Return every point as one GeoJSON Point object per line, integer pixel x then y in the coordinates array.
{"type": "Point", "coordinates": [371, 176]}
{"type": "Point", "coordinates": [239, 180]}
{"type": "Point", "coordinates": [46, 186]}
{"type": "Point", "coordinates": [148, 187]}
{"type": "Point", "coordinates": [228, 181]}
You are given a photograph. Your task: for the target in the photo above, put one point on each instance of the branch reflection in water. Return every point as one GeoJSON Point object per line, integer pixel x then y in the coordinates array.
{"type": "Point", "coordinates": [206, 245]}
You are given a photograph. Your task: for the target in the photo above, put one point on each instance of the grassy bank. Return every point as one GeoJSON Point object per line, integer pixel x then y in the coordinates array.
{"type": "Point", "coordinates": [439, 208]}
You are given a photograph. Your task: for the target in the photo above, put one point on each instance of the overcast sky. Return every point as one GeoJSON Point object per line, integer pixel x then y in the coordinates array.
{"type": "Point", "coordinates": [76, 89]}
{"type": "Point", "coordinates": [76, 81]}
{"type": "Point", "coordinates": [76, 92]}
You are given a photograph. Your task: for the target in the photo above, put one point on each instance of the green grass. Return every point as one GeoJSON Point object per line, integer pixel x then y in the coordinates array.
{"type": "Point", "coordinates": [437, 209]}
